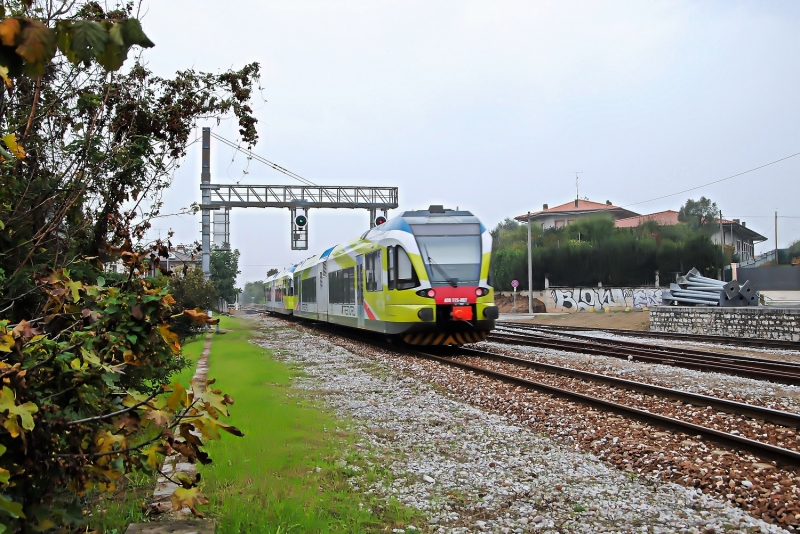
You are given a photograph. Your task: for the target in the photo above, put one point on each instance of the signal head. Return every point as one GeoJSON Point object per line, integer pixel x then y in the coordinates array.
{"type": "Point", "coordinates": [380, 220]}
{"type": "Point", "coordinates": [301, 220]}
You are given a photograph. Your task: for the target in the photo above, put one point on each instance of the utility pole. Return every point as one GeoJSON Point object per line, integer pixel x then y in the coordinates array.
{"type": "Point", "coordinates": [776, 238]}
{"type": "Point", "coordinates": [530, 268]}
{"type": "Point", "coordinates": [721, 233]}
{"type": "Point", "coordinates": [205, 179]}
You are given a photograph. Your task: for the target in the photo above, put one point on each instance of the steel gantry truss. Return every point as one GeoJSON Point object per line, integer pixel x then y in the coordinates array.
{"type": "Point", "coordinates": [297, 198]}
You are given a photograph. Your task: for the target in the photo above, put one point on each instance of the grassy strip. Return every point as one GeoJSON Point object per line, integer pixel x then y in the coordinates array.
{"type": "Point", "coordinates": [113, 512]}
{"type": "Point", "coordinates": [285, 475]}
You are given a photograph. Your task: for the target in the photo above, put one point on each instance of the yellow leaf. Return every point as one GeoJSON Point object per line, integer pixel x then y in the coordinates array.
{"type": "Point", "coordinates": [6, 342]}
{"type": "Point", "coordinates": [74, 287]}
{"type": "Point", "coordinates": [179, 397]}
{"type": "Point", "coordinates": [11, 142]}
{"type": "Point", "coordinates": [152, 455]}
{"type": "Point", "coordinates": [159, 417]}
{"type": "Point", "coordinates": [170, 338]}
{"type": "Point", "coordinates": [4, 75]}
{"type": "Point", "coordinates": [23, 411]}
{"type": "Point", "coordinates": [9, 30]}
{"type": "Point", "coordinates": [75, 364]}
{"type": "Point", "coordinates": [190, 497]}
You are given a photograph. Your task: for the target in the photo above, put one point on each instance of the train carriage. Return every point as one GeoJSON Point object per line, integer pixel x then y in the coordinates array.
{"type": "Point", "coordinates": [279, 290]}
{"type": "Point", "coordinates": [422, 276]}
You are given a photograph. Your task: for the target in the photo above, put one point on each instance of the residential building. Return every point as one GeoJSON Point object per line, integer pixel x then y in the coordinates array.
{"type": "Point", "coordinates": [733, 233]}
{"type": "Point", "coordinates": [565, 214]}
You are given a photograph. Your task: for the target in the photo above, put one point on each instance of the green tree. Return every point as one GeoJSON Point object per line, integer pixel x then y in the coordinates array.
{"type": "Point", "coordinates": [254, 292]}
{"type": "Point", "coordinates": [224, 269]}
{"type": "Point", "coordinates": [699, 213]}
{"type": "Point", "coordinates": [87, 149]}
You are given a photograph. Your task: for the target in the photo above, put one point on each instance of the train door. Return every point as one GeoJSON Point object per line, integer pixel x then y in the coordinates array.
{"type": "Point", "coordinates": [360, 290]}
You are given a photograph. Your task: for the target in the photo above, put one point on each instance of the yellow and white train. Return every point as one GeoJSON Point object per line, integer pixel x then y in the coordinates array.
{"type": "Point", "coordinates": [422, 276]}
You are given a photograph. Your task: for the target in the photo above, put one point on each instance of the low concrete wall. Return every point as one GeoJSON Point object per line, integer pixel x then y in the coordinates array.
{"type": "Point", "coordinates": [580, 299]}
{"type": "Point", "coordinates": [761, 322]}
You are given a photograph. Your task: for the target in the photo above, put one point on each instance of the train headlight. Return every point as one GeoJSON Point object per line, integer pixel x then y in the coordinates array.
{"type": "Point", "coordinates": [481, 291]}
{"type": "Point", "coordinates": [429, 293]}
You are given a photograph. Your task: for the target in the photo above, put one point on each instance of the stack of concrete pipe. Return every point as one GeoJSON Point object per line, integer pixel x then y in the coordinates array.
{"type": "Point", "coordinates": [697, 290]}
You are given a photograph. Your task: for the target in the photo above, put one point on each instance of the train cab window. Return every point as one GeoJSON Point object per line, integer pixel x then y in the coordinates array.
{"type": "Point", "coordinates": [401, 272]}
{"type": "Point", "coordinates": [373, 270]}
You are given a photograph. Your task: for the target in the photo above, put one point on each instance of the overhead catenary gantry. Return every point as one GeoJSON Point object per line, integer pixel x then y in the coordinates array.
{"type": "Point", "coordinates": [220, 198]}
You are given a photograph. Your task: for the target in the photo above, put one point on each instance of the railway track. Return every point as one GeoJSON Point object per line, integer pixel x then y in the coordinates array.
{"type": "Point", "coordinates": [733, 441]}
{"type": "Point", "coordinates": [745, 366]}
{"type": "Point", "coordinates": [760, 343]}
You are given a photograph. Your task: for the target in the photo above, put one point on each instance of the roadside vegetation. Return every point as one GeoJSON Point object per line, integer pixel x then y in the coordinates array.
{"type": "Point", "coordinates": [89, 139]}
{"type": "Point", "coordinates": [592, 250]}
{"type": "Point", "coordinates": [287, 474]}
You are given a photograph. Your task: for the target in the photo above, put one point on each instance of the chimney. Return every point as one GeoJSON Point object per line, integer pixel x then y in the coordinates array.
{"type": "Point", "coordinates": [744, 224]}
{"type": "Point", "coordinates": [576, 202]}
{"type": "Point", "coordinates": [608, 202]}
{"type": "Point", "coordinates": [544, 206]}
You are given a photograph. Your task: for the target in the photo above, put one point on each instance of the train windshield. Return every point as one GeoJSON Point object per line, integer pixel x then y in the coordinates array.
{"type": "Point", "coordinates": [451, 252]}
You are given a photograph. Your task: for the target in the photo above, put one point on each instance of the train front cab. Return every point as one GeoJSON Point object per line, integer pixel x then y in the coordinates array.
{"type": "Point", "coordinates": [407, 293]}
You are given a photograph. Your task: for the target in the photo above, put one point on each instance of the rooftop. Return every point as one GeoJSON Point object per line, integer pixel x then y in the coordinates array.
{"type": "Point", "coordinates": [577, 206]}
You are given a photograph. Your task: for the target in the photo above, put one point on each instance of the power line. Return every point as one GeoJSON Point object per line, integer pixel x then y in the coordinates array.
{"type": "Point", "coordinates": [714, 182]}
{"type": "Point", "coordinates": [265, 161]}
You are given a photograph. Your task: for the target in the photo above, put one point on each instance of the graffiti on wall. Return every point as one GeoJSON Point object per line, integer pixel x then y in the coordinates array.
{"type": "Point", "coordinates": [598, 298]}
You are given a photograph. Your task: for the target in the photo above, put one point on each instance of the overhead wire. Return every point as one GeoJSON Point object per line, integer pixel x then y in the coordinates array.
{"type": "Point", "coordinates": [265, 161]}
{"type": "Point", "coordinates": [714, 182]}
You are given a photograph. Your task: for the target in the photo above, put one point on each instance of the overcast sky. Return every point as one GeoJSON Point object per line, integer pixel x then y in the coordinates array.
{"type": "Point", "coordinates": [491, 106]}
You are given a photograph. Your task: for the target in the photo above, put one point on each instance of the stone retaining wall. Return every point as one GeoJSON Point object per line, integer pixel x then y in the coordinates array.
{"type": "Point", "coordinates": [761, 322]}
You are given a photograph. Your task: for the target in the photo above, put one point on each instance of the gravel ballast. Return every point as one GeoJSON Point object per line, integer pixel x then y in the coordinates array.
{"type": "Point", "coordinates": [471, 469]}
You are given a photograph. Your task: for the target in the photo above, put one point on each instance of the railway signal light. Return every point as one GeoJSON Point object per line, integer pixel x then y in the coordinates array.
{"type": "Point", "coordinates": [300, 220]}
{"type": "Point", "coordinates": [380, 220]}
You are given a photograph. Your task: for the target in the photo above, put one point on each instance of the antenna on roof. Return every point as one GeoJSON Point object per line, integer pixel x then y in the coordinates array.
{"type": "Point", "coordinates": [576, 183]}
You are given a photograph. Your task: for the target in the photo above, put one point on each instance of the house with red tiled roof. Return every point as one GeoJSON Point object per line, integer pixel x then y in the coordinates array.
{"type": "Point", "coordinates": [663, 218]}
{"type": "Point", "coordinates": [731, 232]}
{"type": "Point", "coordinates": [565, 214]}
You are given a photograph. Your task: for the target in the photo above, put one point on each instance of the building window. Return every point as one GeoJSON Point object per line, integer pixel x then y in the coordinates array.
{"type": "Point", "coordinates": [570, 221]}
{"type": "Point", "coordinates": [560, 224]}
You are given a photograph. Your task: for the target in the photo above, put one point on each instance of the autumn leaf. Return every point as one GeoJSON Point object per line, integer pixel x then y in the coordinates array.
{"type": "Point", "coordinates": [37, 46]}
{"type": "Point", "coordinates": [74, 287]}
{"type": "Point", "coordinates": [178, 397]}
{"type": "Point", "coordinates": [14, 509]}
{"type": "Point", "coordinates": [6, 78]}
{"type": "Point", "coordinates": [170, 338]}
{"type": "Point", "coordinates": [136, 312]}
{"type": "Point", "coordinates": [190, 497]}
{"type": "Point", "coordinates": [159, 417]}
{"type": "Point", "coordinates": [6, 342]}
{"type": "Point", "coordinates": [11, 142]}
{"type": "Point", "coordinates": [9, 30]}
{"type": "Point", "coordinates": [152, 455]}
{"type": "Point", "coordinates": [199, 316]}
{"type": "Point", "coordinates": [23, 411]}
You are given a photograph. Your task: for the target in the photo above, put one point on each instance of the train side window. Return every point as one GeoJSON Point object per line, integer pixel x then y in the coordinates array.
{"type": "Point", "coordinates": [406, 276]}
{"type": "Point", "coordinates": [391, 260]}
{"type": "Point", "coordinates": [373, 269]}
{"type": "Point", "coordinates": [308, 292]}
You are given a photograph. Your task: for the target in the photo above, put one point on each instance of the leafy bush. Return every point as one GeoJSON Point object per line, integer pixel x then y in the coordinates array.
{"type": "Point", "coordinates": [86, 358]}
{"type": "Point", "coordinates": [593, 251]}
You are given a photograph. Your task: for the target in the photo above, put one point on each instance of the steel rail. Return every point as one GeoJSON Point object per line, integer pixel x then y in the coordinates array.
{"type": "Point", "coordinates": [771, 415]}
{"type": "Point", "coordinates": [763, 450]}
{"type": "Point", "coordinates": [772, 371]}
{"type": "Point", "coordinates": [692, 338]}
{"type": "Point", "coordinates": [662, 349]}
